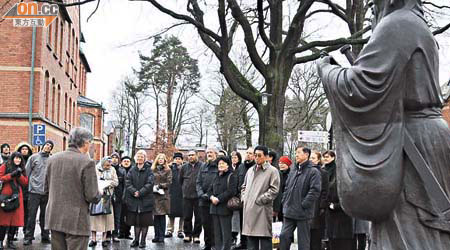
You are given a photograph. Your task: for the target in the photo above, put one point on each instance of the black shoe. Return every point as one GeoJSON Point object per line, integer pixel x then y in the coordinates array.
{"type": "Point", "coordinates": [134, 243]}
{"type": "Point", "coordinates": [92, 243]}
{"type": "Point", "coordinates": [206, 248]}
{"type": "Point", "coordinates": [168, 235]}
{"type": "Point", "coordinates": [45, 240]}
{"type": "Point", "coordinates": [10, 245]}
{"type": "Point", "coordinates": [128, 237]}
{"type": "Point", "coordinates": [27, 242]}
{"type": "Point", "coordinates": [104, 243]}
{"type": "Point", "coordinates": [142, 244]}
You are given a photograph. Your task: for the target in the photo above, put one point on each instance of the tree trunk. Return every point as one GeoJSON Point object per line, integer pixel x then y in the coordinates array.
{"type": "Point", "coordinates": [170, 125]}
{"type": "Point", "coordinates": [247, 128]}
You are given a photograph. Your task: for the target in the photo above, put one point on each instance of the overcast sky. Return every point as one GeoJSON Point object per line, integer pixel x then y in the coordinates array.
{"type": "Point", "coordinates": [121, 22]}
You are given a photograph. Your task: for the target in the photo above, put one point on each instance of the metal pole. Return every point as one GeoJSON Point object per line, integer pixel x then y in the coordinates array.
{"type": "Point", "coordinates": [30, 114]}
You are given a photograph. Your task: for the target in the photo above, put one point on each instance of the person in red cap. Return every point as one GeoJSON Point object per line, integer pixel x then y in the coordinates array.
{"type": "Point", "coordinates": [284, 164]}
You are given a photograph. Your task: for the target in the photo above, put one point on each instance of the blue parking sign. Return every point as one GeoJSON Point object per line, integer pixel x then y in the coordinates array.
{"type": "Point", "coordinates": [38, 129]}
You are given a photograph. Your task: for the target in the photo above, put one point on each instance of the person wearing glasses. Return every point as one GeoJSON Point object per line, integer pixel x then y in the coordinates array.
{"type": "Point", "coordinates": [259, 190]}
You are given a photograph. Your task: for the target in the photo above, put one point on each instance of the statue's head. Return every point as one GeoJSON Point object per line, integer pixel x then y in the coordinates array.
{"type": "Point", "coordinates": [382, 8]}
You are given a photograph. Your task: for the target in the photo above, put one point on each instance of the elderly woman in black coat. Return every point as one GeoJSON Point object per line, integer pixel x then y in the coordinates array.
{"type": "Point", "coordinates": [139, 198]}
{"type": "Point", "coordinates": [224, 187]}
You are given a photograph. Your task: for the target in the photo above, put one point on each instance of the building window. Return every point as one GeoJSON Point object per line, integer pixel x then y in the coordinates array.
{"type": "Point", "coordinates": [87, 121]}
{"type": "Point", "coordinates": [46, 93]}
{"type": "Point", "coordinates": [53, 99]}
{"type": "Point", "coordinates": [55, 41]}
{"type": "Point", "coordinates": [49, 34]}
{"type": "Point", "coordinates": [74, 111]}
{"type": "Point", "coordinates": [58, 116]}
{"type": "Point", "coordinates": [70, 111]}
{"type": "Point", "coordinates": [61, 41]}
{"type": "Point", "coordinates": [65, 107]}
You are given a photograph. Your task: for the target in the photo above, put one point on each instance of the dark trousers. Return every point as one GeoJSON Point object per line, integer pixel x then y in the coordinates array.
{"type": "Point", "coordinates": [243, 241]}
{"type": "Point", "coordinates": [117, 206]}
{"type": "Point", "coordinates": [36, 201]}
{"type": "Point", "coordinates": [160, 226]}
{"type": "Point", "coordinates": [222, 231]}
{"type": "Point", "coordinates": [190, 207]}
{"type": "Point", "coordinates": [208, 226]}
{"type": "Point", "coordinates": [124, 227]}
{"type": "Point", "coordinates": [341, 244]}
{"type": "Point", "coordinates": [257, 243]}
{"type": "Point", "coordinates": [316, 239]}
{"type": "Point", "coordinates": [63, 241]}
{"type": "Point", "coordinates": [287, 232]}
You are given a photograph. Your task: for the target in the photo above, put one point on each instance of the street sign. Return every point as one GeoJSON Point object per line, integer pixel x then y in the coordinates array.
{"type": "Point", "coordinates": [38, 134]}
{"type": "Point", "coordinates": [313, 136]}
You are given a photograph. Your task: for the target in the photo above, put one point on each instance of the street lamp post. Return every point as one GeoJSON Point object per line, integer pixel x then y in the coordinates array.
{"type": "Point", "coordinates": [264, 100]}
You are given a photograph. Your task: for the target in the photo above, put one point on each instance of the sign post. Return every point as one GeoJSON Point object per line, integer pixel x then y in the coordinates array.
{"type": "Point", "coordinates": [38, 134]}
{"type": "Point", "coordinates": [313, 136]}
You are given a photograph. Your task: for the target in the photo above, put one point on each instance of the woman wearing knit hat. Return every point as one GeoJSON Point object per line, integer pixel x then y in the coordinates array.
{"type": "Point", "coordinates": [284, 164]}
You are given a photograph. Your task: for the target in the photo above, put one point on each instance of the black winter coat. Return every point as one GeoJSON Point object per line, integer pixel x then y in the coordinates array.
{"type": "Point", "coordinates": [301, 192]}
{"type": "Point", "coordinates": [242, 171]}
{"type": "Point", "coordinates": [277, 206]}
{"type": "Point", "coordinates": [188, 179]}
{"type": "Point", "coordinates": [141, 180]}
{"type": "Point", "coordinates": [339, 224]}
{"type": "Point", "coordinates": [207, 174]}
{"type": "Point", "coordinates": [318, 222]}
{"type": "Point", "coordinates": [176, 193]}
{"type": "Point", "coordinates": [223, 187]}
{"type": "Point", "coordinates": [118, 191]}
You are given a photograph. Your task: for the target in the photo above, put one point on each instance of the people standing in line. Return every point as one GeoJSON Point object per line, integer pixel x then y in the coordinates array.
{"type": "Point", "coordinates": [12, 176]}
{"type": "Point", "coordinates": [224, 186]}
{"type": "Point", "coordinates": [259, 190]}
{"type": "Point", "coordinates": [318, 222]}
{"type": "Point", "coordinates": [139, 198]}
{"type": "Point", "coordinates": [339, 225]}
{"type": "Point", "coordinates": [176, 198]}
{"type": "Point", "coordinates": [5, 150]}
{"type": "Point", "coordinates": [124, 232]}
{"type": "Point", "coordinates": [236, 161]}
{"type": "Point", "coordinates": [163, 180]}
{"type": "Point", "coordinates": [26, 151]}
{"type": "Point", "coordinates": [241, 173]}
{"type": "Point", "coordinates": [71, 184]}
{"type": "Point", "coordinates": [107, 178]}
{"type": "Point", "coordinates": [188, 177]}
{"type": "Point", "coordinates": [208, 172]}
{"type": "Point", "coordinates": [299, 198]}
{"type": "Point", "coordinates": [284, 165]}
{"type": "Point", "coordinates": [118, 194]}
{"type": "Point", "coordinates": [37, 198]}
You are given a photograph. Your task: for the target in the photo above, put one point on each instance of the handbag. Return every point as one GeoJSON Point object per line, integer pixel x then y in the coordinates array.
{"type": "Point", "coordinates": [234, 203]}
{"type": "Point", "coordinates": [103, 207]}
{"type": "Point", "coordinates": [9, 203]}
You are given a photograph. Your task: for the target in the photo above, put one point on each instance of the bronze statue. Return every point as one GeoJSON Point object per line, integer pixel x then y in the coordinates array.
{"type": "Point", "coordinates": [393, 147]}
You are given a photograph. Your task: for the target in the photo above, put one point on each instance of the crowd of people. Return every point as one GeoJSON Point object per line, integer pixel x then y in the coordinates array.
{"type": "Point", "coordinates": [234, 200]}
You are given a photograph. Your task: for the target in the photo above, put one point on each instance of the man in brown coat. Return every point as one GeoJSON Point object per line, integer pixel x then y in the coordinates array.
{"type": "Point", "coordinates": [260, 188]}
{"type": "Point", "coordinates": [71, 184]}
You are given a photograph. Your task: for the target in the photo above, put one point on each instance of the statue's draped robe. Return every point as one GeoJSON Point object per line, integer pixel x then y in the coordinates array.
{"type": "Point", "coordinates": [392, 89]}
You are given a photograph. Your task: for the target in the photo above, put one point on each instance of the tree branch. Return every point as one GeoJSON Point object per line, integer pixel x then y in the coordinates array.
{"type": "Point", "coordinates": [435, 5]}
{"type": "Point", "coordinates": [186, 18]}
{"type": "Point", "coordinates": [261, 25]}
{"type": "Point", "coordinates": [61, 3]}
{"type": "Point", "coordinates": [441, 30]}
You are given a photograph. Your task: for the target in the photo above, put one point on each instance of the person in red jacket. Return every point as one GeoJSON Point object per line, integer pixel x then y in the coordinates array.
{"type": "Point", "coordinates": [12, 175]}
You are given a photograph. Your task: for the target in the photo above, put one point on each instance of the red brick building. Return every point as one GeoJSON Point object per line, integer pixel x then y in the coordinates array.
{"type": "Point", "coordinates": [60, 69]}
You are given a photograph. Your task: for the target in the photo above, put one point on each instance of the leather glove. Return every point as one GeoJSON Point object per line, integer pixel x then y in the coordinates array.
{"type": "Point", "coordinates": [16, 173]}
{"type": "Point", "coordinates": [205, 197]}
